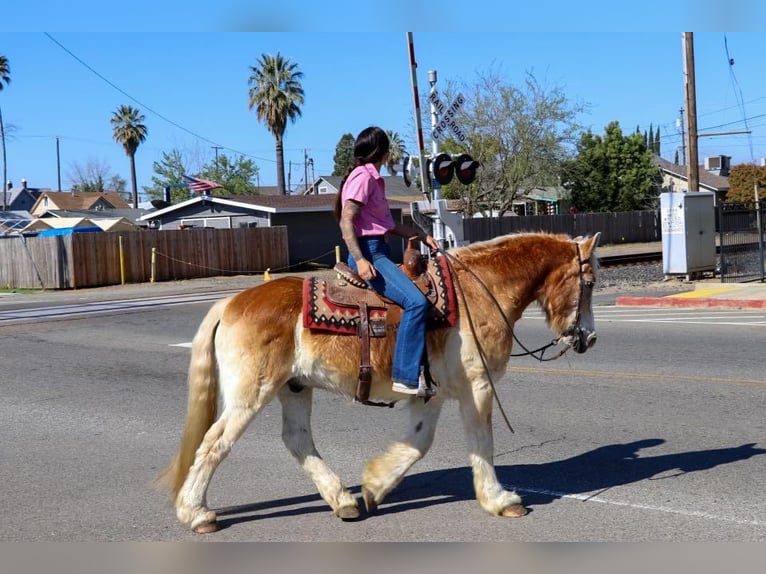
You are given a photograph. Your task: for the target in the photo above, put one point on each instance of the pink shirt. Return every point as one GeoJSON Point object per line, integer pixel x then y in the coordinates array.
{"type": "Point", "coordinates": [365, 185]}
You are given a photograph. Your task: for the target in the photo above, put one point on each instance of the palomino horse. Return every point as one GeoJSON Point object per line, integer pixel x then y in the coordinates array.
{"type": "Point", "coordinates": [252, 347]}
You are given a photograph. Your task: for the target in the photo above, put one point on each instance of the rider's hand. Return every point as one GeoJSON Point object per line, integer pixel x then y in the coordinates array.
{"type": "Point", "coordinates": [365, 269]}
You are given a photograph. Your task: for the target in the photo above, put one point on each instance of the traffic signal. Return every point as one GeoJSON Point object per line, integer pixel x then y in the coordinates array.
{"type": "Point", "coordinates": [443, 168]}
{"type": "Point", "coordinates": [408, 170]}
{"type": "Point", "coordinates": [465, 168]}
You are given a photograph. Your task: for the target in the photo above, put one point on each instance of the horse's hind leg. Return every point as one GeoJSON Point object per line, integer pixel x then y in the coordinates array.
{"type": "Point", "coordinates": [297, 436]}
{"type": "Point", "coordinates": [191, 503]}
{"type": "Point", "coordinates": [383, 473]}
{"type": "Point", "coordinates": [476, 412]}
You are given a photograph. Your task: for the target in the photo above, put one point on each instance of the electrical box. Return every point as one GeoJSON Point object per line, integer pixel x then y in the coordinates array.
{"type": "Point", "coordinates": [688, 232]}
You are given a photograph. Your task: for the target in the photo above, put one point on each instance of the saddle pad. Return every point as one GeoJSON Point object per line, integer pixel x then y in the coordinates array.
{"type": "Point", "coordinates": [325, 310]}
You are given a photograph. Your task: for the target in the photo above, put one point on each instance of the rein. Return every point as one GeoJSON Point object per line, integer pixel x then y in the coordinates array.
{"type": "Point", "coordinates": [537, 353]}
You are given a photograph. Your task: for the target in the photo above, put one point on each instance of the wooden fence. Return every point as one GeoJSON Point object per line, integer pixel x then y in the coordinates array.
{"type": "Point", "coordinates": [93, 259]}
{"type": "Point", "coordinates": [615, 228]}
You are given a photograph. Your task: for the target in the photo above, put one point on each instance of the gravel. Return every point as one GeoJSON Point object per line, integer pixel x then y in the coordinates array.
{"type": "Point", "coordinates": [638, 277]}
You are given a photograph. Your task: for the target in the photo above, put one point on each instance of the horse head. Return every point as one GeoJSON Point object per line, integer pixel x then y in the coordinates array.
{"type": "Point", "coordinates": [567, 296]}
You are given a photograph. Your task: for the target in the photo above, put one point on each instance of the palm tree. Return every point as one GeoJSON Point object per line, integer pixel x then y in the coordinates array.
{"type": "Point", "coordinates": [128, 130]}
{"type": "Point", "coordinates": [396, 151]}
{"type": "Point", "coordinates": [5, 79]}
{"type": "Point", "coordinates": [276, 94]}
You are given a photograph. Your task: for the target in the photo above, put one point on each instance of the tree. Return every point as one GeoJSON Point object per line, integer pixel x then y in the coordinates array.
{"type": "Point", "coordinates": [657, 147]}
{"type": "Point", "coordinates": [237, 176]}
{"type": "Point", "coordinates": [742, 181]}
{"type": "Point", "coordinates": [396, 152]}
{"type": "Point", "coordinates": [612, 173]}
{"type": "Point", "coordinates": [520, 135]}
{"type": "Point", "coordinates": [276, 94]}
{"type": "Point", "coordinates": [5, 79]}
{"type": "Point", "coordinates": [344, 155]}
{"type": "Point", "coordinates": [169, 171]}
{"type": "Point", "coordinates": [95, 176]}
{"type": "Point", "coordinates": [128, 130]}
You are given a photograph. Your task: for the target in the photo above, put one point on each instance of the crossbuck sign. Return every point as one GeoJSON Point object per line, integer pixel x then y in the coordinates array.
{"type": "Point", "coordinates": [447, 116]}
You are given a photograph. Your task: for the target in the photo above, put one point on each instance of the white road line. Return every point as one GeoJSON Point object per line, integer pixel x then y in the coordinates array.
{"type": "Point", "coordinates": [652, 508]}
{"type": "Point", "coordinates": [187, 345]}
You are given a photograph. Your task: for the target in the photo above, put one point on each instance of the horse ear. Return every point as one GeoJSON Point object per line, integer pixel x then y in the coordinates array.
{"type": "Point", "coordinates": [588, 245]}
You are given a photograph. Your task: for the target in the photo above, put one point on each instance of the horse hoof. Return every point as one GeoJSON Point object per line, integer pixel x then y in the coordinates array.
{"type": "Point", "coordinates": [514, 511]}
{"type": "Point", "coordinates": [369, 501]}
{"type": "Point", "coordinates": [206, 528]}
{"type": "Point", "coordinates": [348, 513]}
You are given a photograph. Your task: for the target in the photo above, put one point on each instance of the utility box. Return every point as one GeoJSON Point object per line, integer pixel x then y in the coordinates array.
{"type": "Point", "coordinates": [688, 232]}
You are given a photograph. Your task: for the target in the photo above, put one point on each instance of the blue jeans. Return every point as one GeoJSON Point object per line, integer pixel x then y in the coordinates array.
{"type": "Point", "coordinates": [391, 282]}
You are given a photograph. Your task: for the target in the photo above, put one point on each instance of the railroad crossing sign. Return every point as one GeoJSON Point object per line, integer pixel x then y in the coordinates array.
{"type": "Point", "coordinates": [447, 116]}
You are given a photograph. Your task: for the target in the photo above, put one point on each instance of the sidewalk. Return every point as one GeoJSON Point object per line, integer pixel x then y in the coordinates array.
{"type": "Point", "coordinates": [706, 295]}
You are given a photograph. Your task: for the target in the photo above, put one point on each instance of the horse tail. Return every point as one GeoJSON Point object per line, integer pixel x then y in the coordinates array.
{"type": "Point", "coordinates": [202, 408]}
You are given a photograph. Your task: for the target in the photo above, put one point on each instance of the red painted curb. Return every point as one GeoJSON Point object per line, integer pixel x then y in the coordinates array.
{"type": "Point", "coordinates": [701, 302]}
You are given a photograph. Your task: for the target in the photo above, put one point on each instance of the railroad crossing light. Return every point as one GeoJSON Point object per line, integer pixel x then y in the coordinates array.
{"type": "Point", "coordinates": [443, 168]}
{"type": "Point", "coordinates": [465, 168]}
{"type": "Point", "coordinates": [408, 170]}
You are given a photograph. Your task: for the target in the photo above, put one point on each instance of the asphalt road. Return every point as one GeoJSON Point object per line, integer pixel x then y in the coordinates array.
{"type": "Point", "coordinates": [656, 434]}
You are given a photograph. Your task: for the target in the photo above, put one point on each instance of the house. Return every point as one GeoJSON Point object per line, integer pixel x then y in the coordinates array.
{"type": "Point", "coordinates": [104, 223]}
{"type": "Point", "coordinates": [19, 198]}
{"type": "Point", "coordinates": [129, 214]}
{"type": "Point", "coordinates": [312, 230]}
{"type": "Point", "coordinates": [713, 176]}
{"type": "Point", "coordinates": [65, 200]}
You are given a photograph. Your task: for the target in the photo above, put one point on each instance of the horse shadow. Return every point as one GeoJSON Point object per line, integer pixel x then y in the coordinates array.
{"type": "Point", "coordinates": [596, 470]}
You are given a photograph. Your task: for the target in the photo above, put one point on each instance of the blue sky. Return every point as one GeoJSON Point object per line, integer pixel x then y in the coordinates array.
{"type": "Point", "coordinates": [192, 87]}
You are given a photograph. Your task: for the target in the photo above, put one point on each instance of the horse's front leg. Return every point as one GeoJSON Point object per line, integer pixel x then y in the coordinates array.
{"type": "Point", "coordinates": [383, 473]}
{"type": "Point", "coordinates": [298, 438]}
{"type": "Point", "coordinates": [476, 412]}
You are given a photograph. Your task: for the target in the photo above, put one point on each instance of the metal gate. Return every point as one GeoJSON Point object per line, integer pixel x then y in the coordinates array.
{"type": "Point", "coordinates": [741, 243]}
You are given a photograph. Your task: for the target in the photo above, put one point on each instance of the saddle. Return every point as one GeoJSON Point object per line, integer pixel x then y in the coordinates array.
{"type": "Point", "coordinates": [347, 306]}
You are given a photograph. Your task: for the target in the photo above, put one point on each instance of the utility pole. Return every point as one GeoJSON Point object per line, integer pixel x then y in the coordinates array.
{"type": "Point", "coordinates": [58, 163]}
{"type": "Point", "coordinates": [683, 136]}
{"type": "Point", "coordinates": [690, 95]}
{"type": "Point", "coordinates": [216, 148]}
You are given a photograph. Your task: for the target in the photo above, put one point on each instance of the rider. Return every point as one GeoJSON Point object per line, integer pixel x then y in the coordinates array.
{"type": "Point", "coordinates": [365, 219]}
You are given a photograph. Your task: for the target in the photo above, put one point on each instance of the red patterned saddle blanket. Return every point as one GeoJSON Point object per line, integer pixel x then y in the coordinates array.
{"type": "Point", "coordinates": [333, 305]}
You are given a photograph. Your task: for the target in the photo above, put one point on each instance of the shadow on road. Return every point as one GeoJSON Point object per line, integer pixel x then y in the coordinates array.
{"type": "Point", "coordinates": [595, 470]}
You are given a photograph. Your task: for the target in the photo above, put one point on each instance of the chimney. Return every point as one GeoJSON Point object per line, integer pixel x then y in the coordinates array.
{"type": "Point", "coordinates": [23, 183]}
{"type": "Point", "coordinates": [9, 185]}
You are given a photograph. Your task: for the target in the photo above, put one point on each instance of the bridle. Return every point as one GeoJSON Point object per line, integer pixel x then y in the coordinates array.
{"type": "Point", "coordinates": [537, 353]}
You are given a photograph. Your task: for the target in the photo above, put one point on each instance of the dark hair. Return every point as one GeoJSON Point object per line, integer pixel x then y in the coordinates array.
{"type": "Point", "coordinates": [371, 146]}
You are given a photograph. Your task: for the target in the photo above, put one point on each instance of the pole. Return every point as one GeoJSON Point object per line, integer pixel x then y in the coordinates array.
{"type": "Point", "coordinates": [418, 123]}
{"type": "Point", "coordinates": [683, 138]}
{"type": "Point", "coordinates": [690, 95]}
{"type": "Point", "coordinates": [154, 264]}
{"type": "Point", "coordinates": [305, 170]}
{"type": "Point", "coordinates": [759, 223]}
{"type": "Point", "coordinates": [122, 263]}
{"type": "Point", "coordinates": [58, 163]}
{"type": "Point", "coordinates": [216, 148]}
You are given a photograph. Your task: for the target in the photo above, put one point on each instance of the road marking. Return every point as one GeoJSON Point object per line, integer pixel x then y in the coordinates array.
{"type": "Point", "coordinates": [650, 507]}
{"type": "Point", "coordinates": [627, 375]}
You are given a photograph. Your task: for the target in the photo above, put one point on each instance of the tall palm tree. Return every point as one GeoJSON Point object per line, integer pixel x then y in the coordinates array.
{"type": "Point", "coordinates": [276, 94]}
{"type": "Point", "coordinates": [396, 151]}
{"type": "Point", "coordinates": [128, 130]}
{"type": "Point", "coordinates": [5, 79]}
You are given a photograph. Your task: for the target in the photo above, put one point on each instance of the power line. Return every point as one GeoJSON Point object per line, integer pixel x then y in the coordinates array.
{"type": "Point", "coordinates": [147, 107]}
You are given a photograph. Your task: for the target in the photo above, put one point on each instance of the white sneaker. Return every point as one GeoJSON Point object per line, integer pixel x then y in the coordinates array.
{"type": "Point", "coordinates": [420, 391]}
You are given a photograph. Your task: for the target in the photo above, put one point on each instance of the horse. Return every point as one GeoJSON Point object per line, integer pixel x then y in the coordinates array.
{"type": "Point", "coordinates": [252, 347]}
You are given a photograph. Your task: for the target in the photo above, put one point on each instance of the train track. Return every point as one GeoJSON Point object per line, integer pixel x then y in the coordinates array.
{"type": "Point", "coordinates": [630, 259]}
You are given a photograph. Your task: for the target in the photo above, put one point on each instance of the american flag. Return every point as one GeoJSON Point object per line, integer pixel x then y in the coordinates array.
{"type": "Point", "coordinates": [201, 185]}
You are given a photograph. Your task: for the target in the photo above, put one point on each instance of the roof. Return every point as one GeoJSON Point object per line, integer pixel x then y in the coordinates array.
{"type": "Point", "coordinates": [80, 200]}
{"type": "Point", "coordinates": [130, 213]}
{"type": "Point", "coordinates": [708, 180]}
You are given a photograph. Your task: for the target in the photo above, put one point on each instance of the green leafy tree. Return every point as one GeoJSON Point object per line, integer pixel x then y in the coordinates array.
{"type": "Point", "coordinates": [612, 173]}
{"type": "Point", "coordinates": [276, 94]}
{"type": "Point", "coordinates": [519, 134]}
{"type": "Point", "coordinates": [169, 171]}
{"type": "Point", "coordinates": [5, 79]}
{"type": "Point", "coordinates": [128, 130]}
{"type": "Point", "coordinates": [742, 181]}
{"type": "Point", "coordinates": [344, 155]}
{"type": "Point", "coordinates": [237, 176]}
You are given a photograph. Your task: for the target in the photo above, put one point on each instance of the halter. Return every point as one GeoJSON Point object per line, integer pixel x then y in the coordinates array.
{"type": "Point", "coordinates": [584, 284]}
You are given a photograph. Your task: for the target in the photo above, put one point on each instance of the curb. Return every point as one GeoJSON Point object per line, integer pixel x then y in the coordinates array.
{"type": "Point", "coordinates": [691, 303]}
